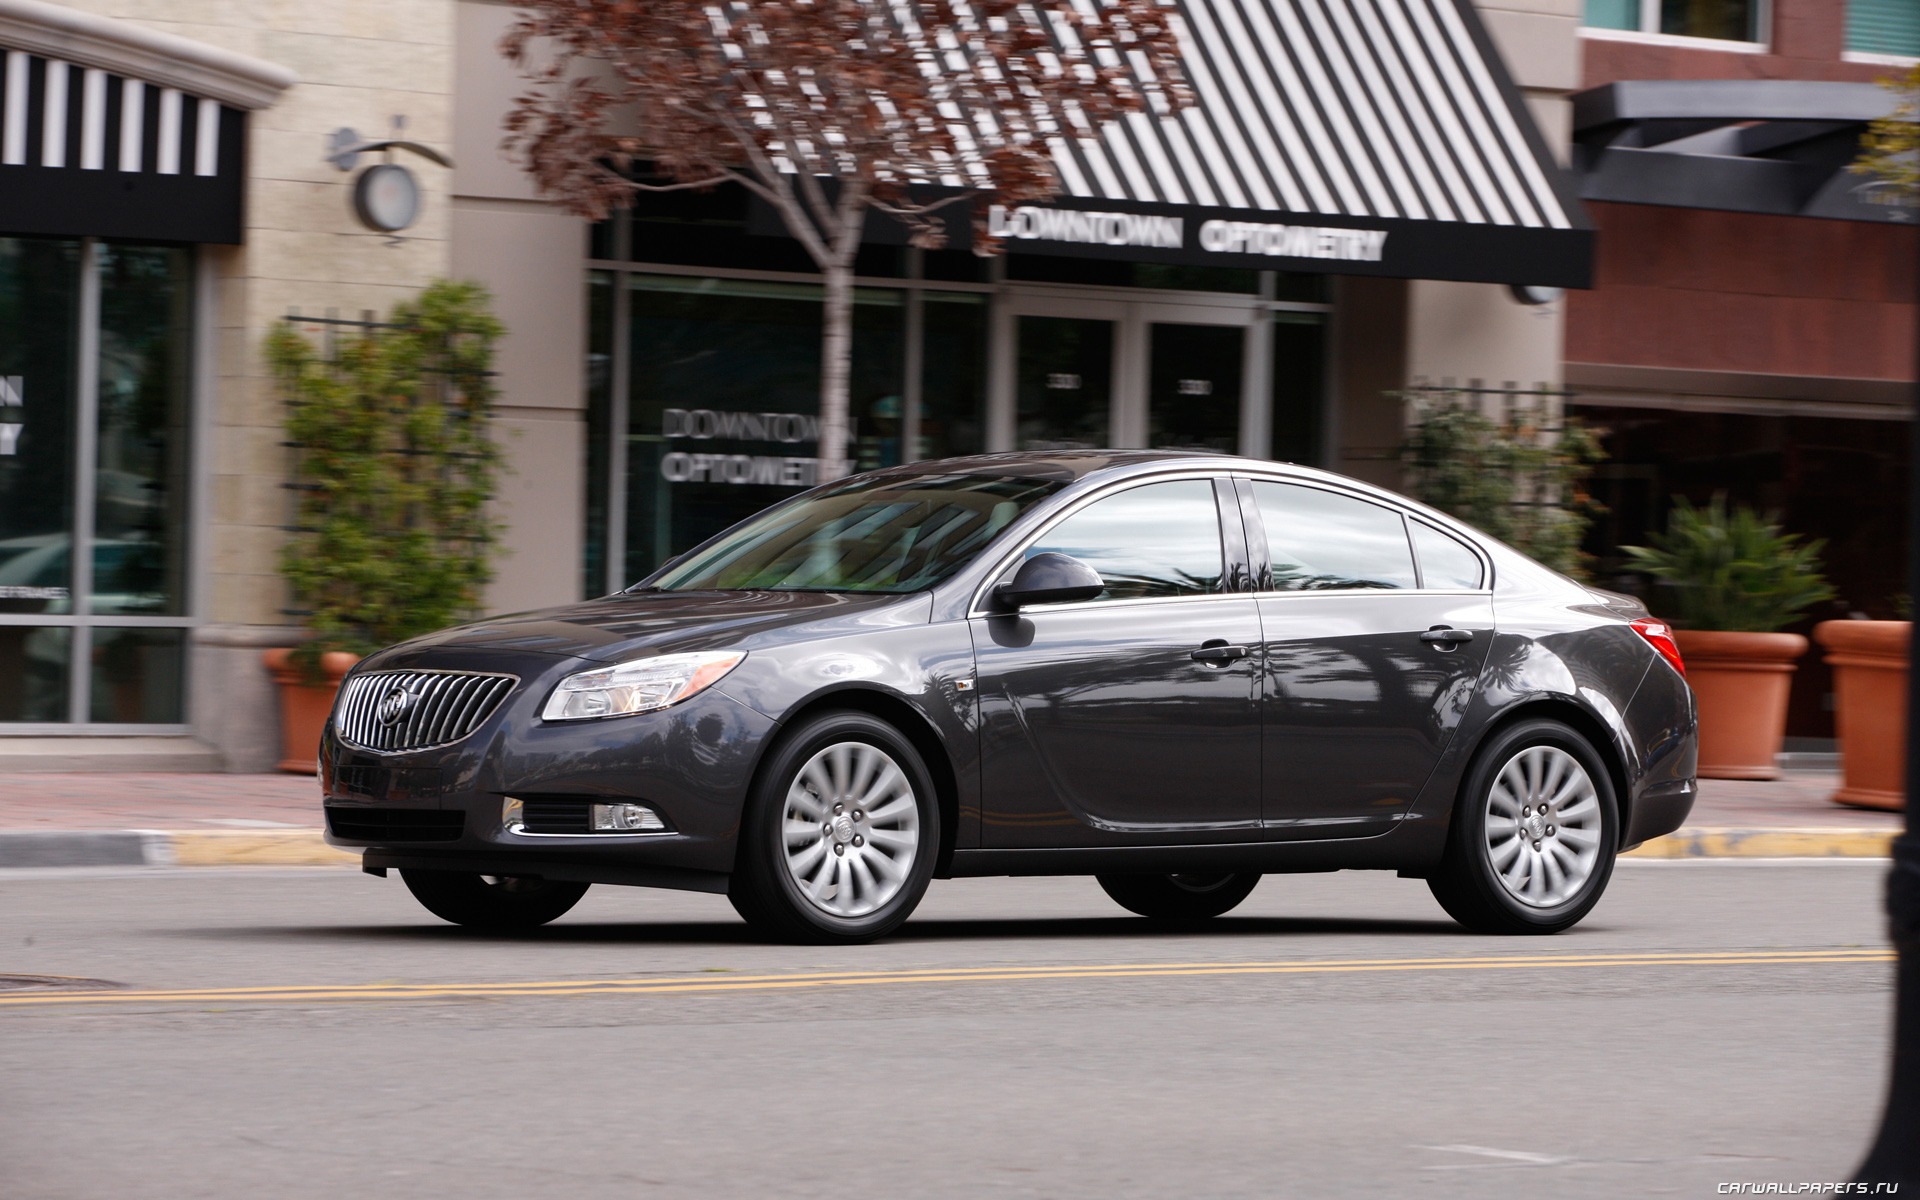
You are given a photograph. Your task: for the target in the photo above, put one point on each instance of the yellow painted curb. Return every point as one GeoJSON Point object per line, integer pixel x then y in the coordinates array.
{"type": "Point", "coordinates": [1769, 843]}
{"type": "Point", "coordinates": [256, 848]}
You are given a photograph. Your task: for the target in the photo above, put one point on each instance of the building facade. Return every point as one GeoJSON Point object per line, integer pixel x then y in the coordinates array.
{"type": "Point", "coordinates": [1751, 330]}
{"type": "Point", "coordinates": [1345, 215]}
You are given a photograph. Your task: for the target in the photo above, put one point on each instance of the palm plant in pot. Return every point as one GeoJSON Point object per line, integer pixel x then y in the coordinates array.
{"type": "Point", "coordinates": [395, 464]}
{"type": "Point", "coordinates": [1732, 580]}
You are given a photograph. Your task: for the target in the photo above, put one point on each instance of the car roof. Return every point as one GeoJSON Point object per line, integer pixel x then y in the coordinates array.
{"type": "Point", "coordinates": [1067, 466]}
{"type": "Point", "coordinates": [1072, 466]}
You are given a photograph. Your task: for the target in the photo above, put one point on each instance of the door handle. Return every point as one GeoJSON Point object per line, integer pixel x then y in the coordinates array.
{"type": "Point", "coordinates": [1446, 638]}
{"type": "Point", "coordinates": [1218, 653]}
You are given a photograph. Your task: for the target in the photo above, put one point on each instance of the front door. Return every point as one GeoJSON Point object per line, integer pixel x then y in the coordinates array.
{"type": "Point", "coordinates": [1133, 718]}
{"type": "Point", "coordinates": [1367, 673]}
{"type": "Point", "coordinates": [1092, 372]}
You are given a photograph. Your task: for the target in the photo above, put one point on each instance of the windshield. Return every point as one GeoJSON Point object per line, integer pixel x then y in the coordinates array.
{"type": "Point", "coordinates": [892, 534]}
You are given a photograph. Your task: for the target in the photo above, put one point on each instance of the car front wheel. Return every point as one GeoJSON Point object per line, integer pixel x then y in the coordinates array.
{"type": "Point", "coordinates": [492, 901]}
{"type": "Point", "coordinates": [840, 836]}
{"type": "Point", "coordinates": [1534, 836]}
{"type": "Point", "coordinates": [1182, 896]}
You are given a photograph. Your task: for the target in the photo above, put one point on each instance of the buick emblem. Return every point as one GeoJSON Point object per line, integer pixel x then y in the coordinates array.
{"type": "Point", "coordinates": [395, 704]}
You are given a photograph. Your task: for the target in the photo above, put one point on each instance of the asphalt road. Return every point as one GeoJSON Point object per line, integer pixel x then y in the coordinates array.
{"type": "Point", "coordinates": [1335, 1036]}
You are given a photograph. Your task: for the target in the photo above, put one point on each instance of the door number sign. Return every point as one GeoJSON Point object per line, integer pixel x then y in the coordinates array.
{"type": "Point", "coordinates": [12, 403]}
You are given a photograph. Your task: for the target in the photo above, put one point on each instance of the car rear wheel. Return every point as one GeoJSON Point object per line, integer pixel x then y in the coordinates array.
{"type": "Point", "coordinates": [1534, 835]}
{"type": "Point", "coordinates": [1182, 896]}
{"type": "Point", "coordinates": [840, 836]}
{"type": "Point", "coordinates": [492, 901]}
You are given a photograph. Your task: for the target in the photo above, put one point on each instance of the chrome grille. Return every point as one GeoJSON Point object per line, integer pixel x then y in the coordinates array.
{"type": "Point", "coordinates": [374, 713]}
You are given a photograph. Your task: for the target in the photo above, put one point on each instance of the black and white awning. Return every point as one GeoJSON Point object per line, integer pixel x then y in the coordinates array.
{"type": "Point", "coordinates": [1379, 137]}
{"type": "Point", "coordinates": [88, 152]}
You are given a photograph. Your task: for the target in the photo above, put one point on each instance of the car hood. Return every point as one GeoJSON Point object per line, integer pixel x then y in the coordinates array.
{"type": "Point", "coordinates": [629, 624]}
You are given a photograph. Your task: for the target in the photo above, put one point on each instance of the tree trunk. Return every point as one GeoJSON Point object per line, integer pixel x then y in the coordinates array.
{"type": "Point", "coordinates": [836, 369]}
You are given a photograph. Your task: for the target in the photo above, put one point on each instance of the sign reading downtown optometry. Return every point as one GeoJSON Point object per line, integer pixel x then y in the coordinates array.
{"type": "Point", "coordinates": [1188, 235]}
{"type": "Point", "coordinates": [775, 430]}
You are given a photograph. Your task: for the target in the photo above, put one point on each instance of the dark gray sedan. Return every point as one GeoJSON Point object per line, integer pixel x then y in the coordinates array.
{"type": "Point", "coordinates": [1172, 672]}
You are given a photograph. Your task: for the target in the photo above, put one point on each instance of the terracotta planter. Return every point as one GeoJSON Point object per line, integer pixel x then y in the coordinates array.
{"type": "Point", "coordinates": [304, 705]}
{"type": "Point", "coordinates": [1740, 681]}
{"type": "Point", "coordinates": [1869, 660]}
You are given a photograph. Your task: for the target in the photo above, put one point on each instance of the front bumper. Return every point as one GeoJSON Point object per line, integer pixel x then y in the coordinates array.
{"type": "Point", "coordinates": [441, 808]}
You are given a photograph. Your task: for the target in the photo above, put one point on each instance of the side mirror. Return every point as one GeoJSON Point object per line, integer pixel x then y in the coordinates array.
{"type": "Point", "coordinates": [1049, 578]}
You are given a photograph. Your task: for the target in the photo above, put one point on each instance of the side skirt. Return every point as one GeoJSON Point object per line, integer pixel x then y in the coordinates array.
{"type": "Point", "coordinates": [1382, 853]}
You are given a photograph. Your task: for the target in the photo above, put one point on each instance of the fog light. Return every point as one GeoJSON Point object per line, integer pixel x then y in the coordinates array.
{"type": "Point", "coordinates": [626, 818]}
{"type": "Point", "coordinates": [513, 814]}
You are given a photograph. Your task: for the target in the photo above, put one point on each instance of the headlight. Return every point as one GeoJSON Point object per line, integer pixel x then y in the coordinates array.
{"type": "Point", "coordinates": [641, 686]}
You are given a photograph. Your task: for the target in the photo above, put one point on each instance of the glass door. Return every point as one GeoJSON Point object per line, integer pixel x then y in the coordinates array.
{"type": "Point", "coordinates": [1064, 383]}
{"type": "Point", "coordinates": [1195, 377]}
{"type": "Point", "coordinates": [1101, 371]}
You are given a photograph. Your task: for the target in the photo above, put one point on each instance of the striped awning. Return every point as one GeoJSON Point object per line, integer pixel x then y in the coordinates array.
{"type": "Point", "coordinates": [1376, 137]}
{"type": "Point", "coordinates": [88, 152]}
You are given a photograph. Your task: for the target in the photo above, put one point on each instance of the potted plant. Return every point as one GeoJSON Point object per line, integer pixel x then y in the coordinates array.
{"type": "Point", "coordinates": [1869, 661]}
{"type": "Point", "coordinates": [1733, 579]}
{"type": "Point", "coordinates": [394, 465]}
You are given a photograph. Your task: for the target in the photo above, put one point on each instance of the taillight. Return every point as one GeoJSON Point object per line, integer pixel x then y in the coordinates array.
{"type": "Point", "coordinates": [1659, 635]}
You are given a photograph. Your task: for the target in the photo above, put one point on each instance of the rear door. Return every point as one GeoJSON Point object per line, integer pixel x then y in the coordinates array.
{"type": "Point", "coordinates": [1366, 673]}
{"type": "Point", "coordinates": [1133, 718]}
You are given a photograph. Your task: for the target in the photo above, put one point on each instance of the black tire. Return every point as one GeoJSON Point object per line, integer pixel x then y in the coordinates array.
{"type": "Point", "coordinates": [764, 888]}
{"type": "Point", "coordinates": [1468, 884]}
{"type": "Point", "coordinates": [492, 901]}
{"type": "Point", "coordinates": [1184, 896]}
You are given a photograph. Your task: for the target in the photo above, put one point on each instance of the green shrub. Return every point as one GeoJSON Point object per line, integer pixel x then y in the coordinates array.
{"type": "Point", "coordinates": [394, 466]}
{"type": "Point", "coordinates": [1732, 570]}
{"type": "Point", "coordinates": [1517, 480]}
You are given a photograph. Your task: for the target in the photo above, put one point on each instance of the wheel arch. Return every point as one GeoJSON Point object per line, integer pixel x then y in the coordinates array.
{"type": "Point", "coordinates": [912, 724]}
{"type": "Point", "coordinates": [1589, 725]}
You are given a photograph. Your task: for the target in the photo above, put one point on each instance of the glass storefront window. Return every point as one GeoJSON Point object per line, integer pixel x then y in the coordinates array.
{"type": "Point", "coordinates": [724, 400]}
{"type": "Point", "coordinates": [703, 391]}
{"type": "Point", "coordinates": [118, 449]}
{"type": "Point", "coordinates": [953, 375]}
{"type": "Point", "coordinates": [35, 673]}
{"type": "Point", "coordinates": [40, 314]}
{"type": "Point", "coordinates": [1299, 386]}
{"type": "Point", "coordinates": [137, 676]}
{"type": "Point", "coordinates": [600, 335]}
{"type": "Point", "coordinates": [140, 485]}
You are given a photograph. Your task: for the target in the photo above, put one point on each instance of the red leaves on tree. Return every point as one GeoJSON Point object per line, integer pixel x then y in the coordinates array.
{"type": "Point", "coordinates": [900, 103]}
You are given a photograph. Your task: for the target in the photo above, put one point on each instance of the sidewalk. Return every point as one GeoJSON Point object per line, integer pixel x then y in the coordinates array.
{"type": "Point", "coordinates": [274, 820]}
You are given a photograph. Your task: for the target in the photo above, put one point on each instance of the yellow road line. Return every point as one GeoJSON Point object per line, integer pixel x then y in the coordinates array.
{"type": "Point", "coordinates": [709, 983]}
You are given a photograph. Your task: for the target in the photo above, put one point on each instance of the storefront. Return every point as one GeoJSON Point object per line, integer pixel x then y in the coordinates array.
{"type": "Point", "coordinates": [1336, 219]}
{"type": "Point", "coordinates": [1177, 295]}
{"type": "Point", "coordinates": [110, 180]}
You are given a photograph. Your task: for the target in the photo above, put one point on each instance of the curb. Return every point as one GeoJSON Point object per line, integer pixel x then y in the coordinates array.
{"type": "Point", "coordinates": [173, 848]}
{"type": "Point", "coordinates": [308, 848]}
{"type": "Point", "coordinates": [1769, 843]}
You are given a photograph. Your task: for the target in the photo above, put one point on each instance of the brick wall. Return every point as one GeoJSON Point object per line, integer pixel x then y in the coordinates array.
{"type": "Point", "coordinates": [1720, 291]}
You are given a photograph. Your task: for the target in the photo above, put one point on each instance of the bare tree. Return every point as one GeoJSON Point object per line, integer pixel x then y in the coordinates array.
{"type": "Point", "coordinates": [829, 109]}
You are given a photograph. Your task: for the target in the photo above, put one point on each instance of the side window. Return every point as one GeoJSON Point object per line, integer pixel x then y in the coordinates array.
{"type": "Point", "coordinates": [1444, 562]}
{"type": "Point", "coordinates": [1320, 540]}
{"type": "Point", "coordinates": [1162, 539]}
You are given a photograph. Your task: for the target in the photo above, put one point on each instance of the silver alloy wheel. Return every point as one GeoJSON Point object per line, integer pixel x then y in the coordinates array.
{"type": "Point", "coordinates": [1543, 826]}
{"type": "Point", "coordinates": [851, 829]}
